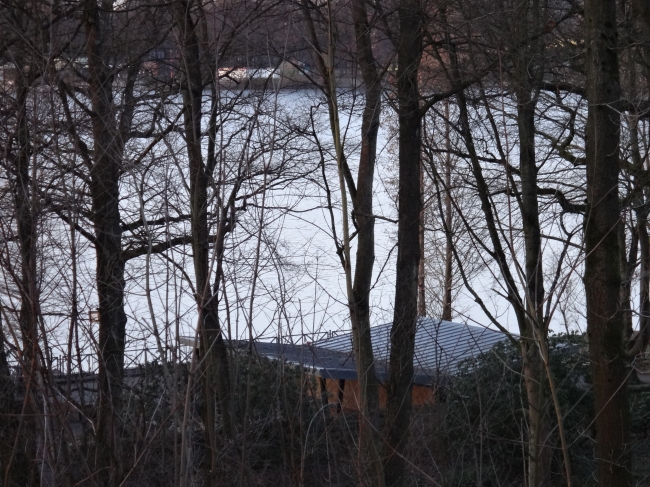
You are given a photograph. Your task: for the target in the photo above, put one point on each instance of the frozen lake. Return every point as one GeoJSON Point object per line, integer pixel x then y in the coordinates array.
{"type": "Point", "coordinates": [281, 246]}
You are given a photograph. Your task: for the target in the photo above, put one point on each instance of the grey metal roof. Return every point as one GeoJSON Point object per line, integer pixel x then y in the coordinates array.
{"type": "Point", "coordinates": [439, 345]}
{"type": "Point", "coordinates": [439, 348]}
{"type": "Point", "coordinates": [326, 363]}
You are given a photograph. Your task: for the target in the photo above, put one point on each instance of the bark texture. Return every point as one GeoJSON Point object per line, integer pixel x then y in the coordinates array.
{"type": "Point", "coordinates": [105, 194]}
{"type": "Point", "coordinates": [642, 7]}
{"type": "Point", "coordinates": [605, 326]}
{"type": "Point", "coordinates": [402, 336]}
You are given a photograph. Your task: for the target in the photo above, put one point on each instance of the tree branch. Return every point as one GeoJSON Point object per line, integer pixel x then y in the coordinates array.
{"type": "Point", "coordinates": [562, 200]}
{"type": "Point", "coordinates": [157, 248]}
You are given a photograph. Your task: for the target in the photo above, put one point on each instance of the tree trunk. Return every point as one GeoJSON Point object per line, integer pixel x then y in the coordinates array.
{"type": "Point", "coordinates": [104, 190]}
{"type": "Point", "coordinates": [402, 335]}
{"type": "Point", "coordinates": [602, 264]}
{"type": "Point", "coordinates": [640, 240]}
{"type": "Point", "coordinates": [629, 261]}
{"type": "Point", "coordinates": [528, 312]}
{"type": "Point", "coordinates": [532, 328]}
{"type": "Point", "coordinates": [448, 284]}
{"type": "Point", "coordinates": [642, 8]}
{"type": "Point", "coordinates": [371, 465]}
{"type": "Point", "coordinates": [644, 284]}
{"type": "Point", "coordinates": [422, 303]}
{"type": "Point", "coordinates": [215, 371]}
{"type": "Point", "coordinates": [370, 468]}
{"type": "Point", "coordinates": [22, 186]}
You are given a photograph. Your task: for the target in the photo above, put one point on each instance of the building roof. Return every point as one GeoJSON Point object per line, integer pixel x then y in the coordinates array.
{"type": "Point", "coordinates": [440, 346]}
{"type": "Point", "coordinates": [325, 363]}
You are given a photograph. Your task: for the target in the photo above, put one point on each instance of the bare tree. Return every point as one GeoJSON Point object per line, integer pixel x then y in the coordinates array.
{"type": "Point", "coordinates": [358, 286]}
{"type": "Point", "coordinates": [216, 375]}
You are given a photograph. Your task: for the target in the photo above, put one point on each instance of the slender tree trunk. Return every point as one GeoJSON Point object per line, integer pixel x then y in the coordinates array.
{"type": "Point", "coordinates": [372, 469]}
{"type": "Point", "coordinates": [640, 240]}
{"type": "Point", "coordinates": [629, 261]}
{"type": "Point", "coordinates": [528, 312]}
{"type": "Point", "coordinates": [215, 371]}
{"type": "Point", "coordinates": [602, 264]}
{"type": "Point", "coordinates": [532, 329]}
{"type": "Point", "coordinates": [31, 359]}
{"type": "Point", "coordinates": [644, 278]}
{"type": "Point", "coordinates": [402, 336]}
{"type": "Point", "coordinates": [422, 304]}
{"type": "Point", "coordinates": [370, 465]}
{"type": "Point", "coordinates": [449, 255]}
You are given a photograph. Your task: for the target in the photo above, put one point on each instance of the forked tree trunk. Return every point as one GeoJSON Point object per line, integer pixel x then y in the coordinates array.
{"type": "Point", "coordinates": [370, 467]}
{"type": "Point", "coordinates": [602, 264]}
{"type": "Point", "coordinates": [526, 74]}
{"type": "Point", "coordinates": [532, 329]}
{"type": "Point", "coordinates": [402, 335]}
{"type": "Point", "coordinates": [215, 370]}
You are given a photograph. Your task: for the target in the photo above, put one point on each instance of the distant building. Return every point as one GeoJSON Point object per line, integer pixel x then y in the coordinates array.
{"type": "Point", "coordinates": [440, 346]}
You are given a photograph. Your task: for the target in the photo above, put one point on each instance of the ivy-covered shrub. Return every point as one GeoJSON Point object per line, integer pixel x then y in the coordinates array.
{"type": "Point", "coordinates": [485, 421]}
{"type": "Point", "coordinates": [485, 427]}
{"type": "Point", "coordinates": [274, 406]}
{"type": "Point", "coordinates": [283, 434]}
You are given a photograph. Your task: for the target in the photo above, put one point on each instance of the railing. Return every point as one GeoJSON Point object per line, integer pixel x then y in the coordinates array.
{"type": "Point", "coordinates": [87, 363]}
{"type": "Point", "coordinates": [145, 353]}
{"type": "Point", "coordinates": [298, 338]}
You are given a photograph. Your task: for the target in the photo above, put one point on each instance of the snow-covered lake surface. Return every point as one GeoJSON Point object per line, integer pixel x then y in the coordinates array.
{"type": "Point", "coordinates": [297, 277]}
